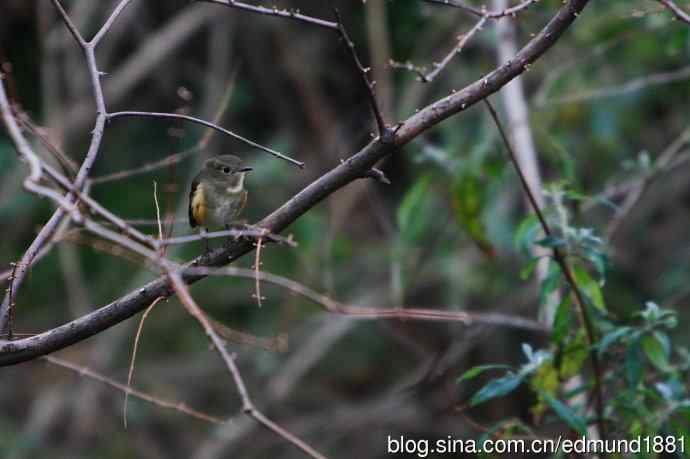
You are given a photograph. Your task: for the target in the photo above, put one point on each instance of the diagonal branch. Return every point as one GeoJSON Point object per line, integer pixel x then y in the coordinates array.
{"type": "Point", "coordinates": [560, 258]}
{"type": "Point", "coordinates": [343, 174]}
{"type": "Point", "coordinates": [162, 403]}
{"type": "Point", "coordinates": [676, 10]}
{"type": "Point", "coordinates": [462, 41]}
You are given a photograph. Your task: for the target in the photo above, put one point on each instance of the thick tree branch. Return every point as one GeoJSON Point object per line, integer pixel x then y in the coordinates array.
{"type": "Point", "coordinates": [12, 352]}
{"type": "Point", "coordinates": [677, 11]}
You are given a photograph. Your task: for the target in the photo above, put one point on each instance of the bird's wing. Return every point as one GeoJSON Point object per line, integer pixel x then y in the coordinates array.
{"type": "Point", "coordinates": [193, 202]}
{"type": "Point", "coordinates": [243, 201]}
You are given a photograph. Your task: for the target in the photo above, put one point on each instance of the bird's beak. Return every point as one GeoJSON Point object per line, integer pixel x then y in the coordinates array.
{"type": "Point", "coordinates": [246, 169]}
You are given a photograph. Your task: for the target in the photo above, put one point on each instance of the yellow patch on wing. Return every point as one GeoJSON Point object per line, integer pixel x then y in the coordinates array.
{"type": "Point", "coordinates": [199, 207]}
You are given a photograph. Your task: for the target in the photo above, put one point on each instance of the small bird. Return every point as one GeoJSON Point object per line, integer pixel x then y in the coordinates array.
{"type": "Point", "coordinates": [217, 195]}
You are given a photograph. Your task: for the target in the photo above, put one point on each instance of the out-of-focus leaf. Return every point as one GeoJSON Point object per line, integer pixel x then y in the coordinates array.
{"type": "Point", "coordinates": [551, 282]}
{"type": "Point", "coordinates": [479, 369]}
{"type": "Point", "coordinates": [633, 364]}
{"type": "Point", "coordinates": [655, 351]}
{"type": "Point", "coordinates": [562, 320]}
{"type": "Point", "coordinates": [551, 242]}
{"type": "Point", "coordinates": [526, 233]}
{"type": "Point", "coordinates": [589, 287]}
{"type": "Point", "coordinates": [527, 271]}
{"type": "Point", "coordinates": [574, 355]}
{"type": "Point", "coordinates": [468, 198]}
{"type": "Point", "coordinates": [410, 217]}
{"type": "Point", "coordinates": [497, 388]}
{"type": "Point", "coordinates": [599, 260]}
{"type": "Point", "coordinates": [611, 337]}
{"type": "Point", "coordinates": [565, 413]}
{"type": "Point", "coordinates": [544, 380]}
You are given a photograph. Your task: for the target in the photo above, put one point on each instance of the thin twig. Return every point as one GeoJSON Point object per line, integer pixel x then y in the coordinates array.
{"type": "Point", "coordinates": [283, 13]}
{"type": "Point", "coordinates": [371, 313]}
{"type": "Point", "coordinates": [257, 267]}
{"type": "Point", "coordinates": [130, 374]}
{"type": "Point", "coordinates": [640, 186]}
{"type": "Point", "coordinates": [560, 258]}
{"type": "Point", "coordinates": [147, 167]}
{"type": "Point", "coordinates": [385, 132]}
{"type": "Point", "coordinates": [109, 22]}
{"type": "Point", "coordinates": [208, 124]}
{"type": "Point", "coordinates": [636, 84]}
{"type": "Point", "coordinates": [462, 41]}
{"type": "Point", "coordinates": [483, 12]}
{"type": "Point", "coordinates": [160, 402]}
{"type": "Point", "coordinates": [177, 157]}
{"type": "Point", "coordinates": [234, 233]}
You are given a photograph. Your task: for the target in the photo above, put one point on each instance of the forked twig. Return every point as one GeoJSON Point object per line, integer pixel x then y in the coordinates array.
{"type": "Point", "coordinates": [247, 405]}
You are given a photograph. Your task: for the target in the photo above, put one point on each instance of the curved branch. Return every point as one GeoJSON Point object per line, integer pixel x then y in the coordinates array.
{"type": "Point", "coordinates": [208, 124]}
{"type": "Point", "coordinates": [12, 352]}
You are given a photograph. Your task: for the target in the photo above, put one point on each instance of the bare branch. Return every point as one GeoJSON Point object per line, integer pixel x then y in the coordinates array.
{"type": "Point", "coordinates": [462, 41]}
{"type": "Point", "coordinates": [162, 403]}
{"type": "Point", "coordinates": [385, 132]}
{"type": "Point", "coordinates": [249, 232]}
{"type": "Point", "coordinates": [639, 187]}
{"type": "Point", "coordinates": [130, 374]}
{"type": "Point", "coordinates": [109, 22]}
{"type": "Point", "coordinates": [70, 25]}
{"type": "Point", "coordinates": [284, 13]}
{"type": "Point", "coordinates": [483, 12]}
{"type": "Point", "coordinates": [676, 10]}
{"type": "Point", "coordinates": [208, 124]}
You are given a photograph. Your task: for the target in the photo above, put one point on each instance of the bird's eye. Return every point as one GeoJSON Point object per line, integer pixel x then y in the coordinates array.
{"type": "Point", "coordinates": [226, 169]}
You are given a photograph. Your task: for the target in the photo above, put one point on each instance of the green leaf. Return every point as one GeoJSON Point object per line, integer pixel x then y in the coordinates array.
{"type": "Point", "coordinates": [551, 242]}
{"type": "Point", "coordinates": [562, 321]}
{"type": "Point", "coordinates": [633, 364]}
{"type": "Point", "coordinates": [589, 287]}
{"type": "Point", "coordinates": [567, 414]}
{"type": "Point", "coordinates": [409, 216]}
{"type": "Point", "coordinates": [469, 202]}
{"type": "Point", "coordinates": [575, 354]}
{"type": "Point", "coordinates": [497, 388]}
{"type": "Point", "coordinates": [527, 271]}
{"type": "Point", "coordinates": [599, 260]}
{"type": "Point", "coordinates": [479, 369]}
{"type": "Point", "coordinates": [526, 233]}
{"type": "Point", "coordinates": [611, 337]}
{"type": "Point", "coordinates": [551, 282]}
{"type": "Point", "coordinates": [655, 351]}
